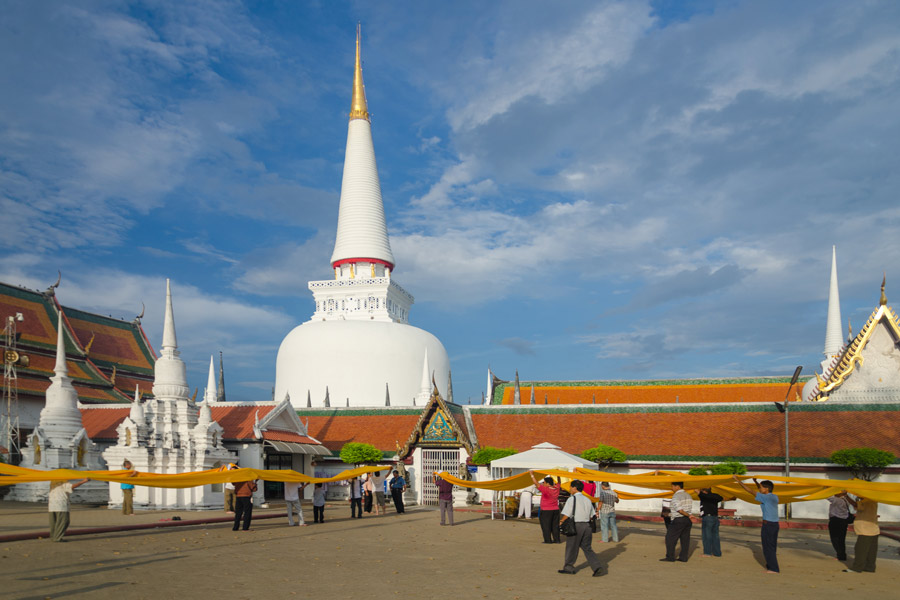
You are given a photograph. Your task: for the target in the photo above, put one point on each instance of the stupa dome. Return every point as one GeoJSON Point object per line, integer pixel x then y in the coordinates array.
{"type": "Point", "coordinates": [355, 359]}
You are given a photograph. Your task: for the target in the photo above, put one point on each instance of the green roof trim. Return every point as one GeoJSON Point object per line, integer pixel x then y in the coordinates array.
{"type": "Point", "coordinates": [497, 396]}
{"type": "Point", "coordinates": [717, 407]}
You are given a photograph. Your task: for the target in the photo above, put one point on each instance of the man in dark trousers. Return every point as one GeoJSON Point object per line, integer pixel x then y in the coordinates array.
{"type": "Point", "coordinates": [579, 508]}
{"type": "Point", "coordinates": [398, 486]}
{"type": "Point", "coordinates": [680, 527]}
{"type": "Point", "coordinates": [445, 498]}
{"type": "Point", "coordinates": [243, 505]}
{"type": "Point", "coordinates": [768, 501]}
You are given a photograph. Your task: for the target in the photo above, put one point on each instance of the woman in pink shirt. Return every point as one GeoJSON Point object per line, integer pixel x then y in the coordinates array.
{"type": "Point", "coordinates": [549, 516]}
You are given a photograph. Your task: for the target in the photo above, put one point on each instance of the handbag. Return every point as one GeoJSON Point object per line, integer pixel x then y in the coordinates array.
{"type": "Point", "coordinates": [567, 527]}
{"type": "Point", "coordinates": [594, 523]}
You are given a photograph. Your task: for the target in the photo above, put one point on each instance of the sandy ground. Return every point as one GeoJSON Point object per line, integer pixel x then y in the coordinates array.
{"type": "Point", "coordinates": [406, 556]}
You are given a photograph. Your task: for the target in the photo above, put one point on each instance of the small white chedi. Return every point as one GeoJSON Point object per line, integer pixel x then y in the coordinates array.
{"type": "Point", "coordinates": [60, 441]}
{"type": "Point", "coordinates": [168, 434]}
{"type": "Point", "coordinates": [359, 342]}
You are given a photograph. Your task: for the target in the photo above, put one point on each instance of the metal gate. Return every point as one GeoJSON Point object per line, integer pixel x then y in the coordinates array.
{"type": "Point", "coordinates": [435, 461]}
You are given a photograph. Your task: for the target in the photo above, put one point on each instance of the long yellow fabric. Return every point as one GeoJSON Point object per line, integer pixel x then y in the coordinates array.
{"type": "Point", "coordinates": [16, 475]}
{"type": "Point", "coordinates": [788, 489]}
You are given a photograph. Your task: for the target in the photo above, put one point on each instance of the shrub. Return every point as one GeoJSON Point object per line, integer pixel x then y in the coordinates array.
{"type": "Point", "coordinates": [728, 467]}
{"type": "Point", "coordinates": [485, 455]}
{"type": "Point", "coordinates": [699, 471]}
{"type": "Point", "coordinates": [604, 455]}
{"type": "Point", "coordinates": [354, 453]}
{"type": "Point", "coordinates": [864, 463]}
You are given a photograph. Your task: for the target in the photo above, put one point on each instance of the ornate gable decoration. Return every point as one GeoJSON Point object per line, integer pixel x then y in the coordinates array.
{"type": "Point", "coordinates": [852, 356]}
{"type": "Point", "coordinates": [436, 427]}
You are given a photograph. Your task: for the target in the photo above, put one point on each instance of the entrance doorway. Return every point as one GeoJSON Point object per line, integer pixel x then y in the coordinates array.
{"type": "Point", "coordinates": [435, 461]}
{"type": "Point", "coordinates": [274, 490]}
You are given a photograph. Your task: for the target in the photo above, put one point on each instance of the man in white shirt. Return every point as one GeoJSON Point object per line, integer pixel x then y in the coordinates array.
{"type": "Point", "coordinates": [680, 527]}
{"type": "Point", "coordinates": [58, 505]}
{"type": "Point", "coordinates": [377, 480]}
{"type": "Point", "coordinates": [579, 508]}
{"type": "Point", "coordinates": [292, 491]}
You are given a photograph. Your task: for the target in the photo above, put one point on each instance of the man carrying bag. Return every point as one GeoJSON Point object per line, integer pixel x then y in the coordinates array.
{"type": "Point", "coordinates": [578, 509]}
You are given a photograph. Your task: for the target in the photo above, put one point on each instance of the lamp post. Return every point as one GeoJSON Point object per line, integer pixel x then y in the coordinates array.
{"type": "Point", "coordinates": [785, 408]}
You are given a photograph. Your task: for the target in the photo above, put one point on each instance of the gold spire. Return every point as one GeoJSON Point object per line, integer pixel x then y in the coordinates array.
{"type": "Point", "coordinates": [358, 108]}
{"type": "Point", "coordinates": [883, 297]}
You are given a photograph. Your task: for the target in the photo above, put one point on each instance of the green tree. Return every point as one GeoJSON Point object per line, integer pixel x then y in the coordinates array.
{"type": "Point", "coordinates": [604, 455]}
{"type": "Point", "coordinates": [864, 463]}
{"type": "Point", "coordinates": [354, 453]}
{"type": "Point", "coordinates": [485, 455]}
{"type": "Point", "coordinates": [728, 467]}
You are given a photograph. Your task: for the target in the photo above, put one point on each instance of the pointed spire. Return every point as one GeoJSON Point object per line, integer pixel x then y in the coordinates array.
{"type": "Point", "coordinates": [849, 331]}
{"type": "Point", "coordinates": [362, 230]}
{"type": "Point", "coordinates": [348, 403]}
{"type": "Point", "coordinates": [532, 394]}
{"type": "Point", "coordinates": [137, 411]}
{"type": "Point", "coordinates": [61, 369]}
{"type": "Point", "coordinates": [483, 401]}
{"type": "Point", "coordinates": [449, 385]}
{"type": "Point", "coordinates": [170, 341]}
{"type": "Point", "coordinates": [833, 337]}
{"type": "Point", "coordinates": [359, 109]}
{"type": "Point", "coordinates": [209, 394]}
{"type": "Point", "coordinates": [327, 403]}
{"type": "Point", "coordinates": [425, 387]}
{"type": "Point", "coordinates": [387, 395]}
{"type": "Point", "coordinates": [220, 396]}
{"type": "Point", "coordinates": [308, 399]}
{"type": "Point", "coordinates": [517, 394]}
{"type": "Point", "coordinates": [205, 413]}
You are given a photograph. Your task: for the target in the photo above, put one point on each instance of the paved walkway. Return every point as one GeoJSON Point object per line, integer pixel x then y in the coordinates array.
{"type": "Point", "coordinates": [402, 556]}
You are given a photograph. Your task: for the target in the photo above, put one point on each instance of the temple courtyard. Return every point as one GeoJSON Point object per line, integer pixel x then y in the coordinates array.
{"type": "Point", "coordinates": [402, 556]}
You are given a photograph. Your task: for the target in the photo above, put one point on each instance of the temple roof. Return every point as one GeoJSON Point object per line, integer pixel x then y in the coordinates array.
{"type": "Point", "coordinates": [385, 428]}
{"type": "Point", "coordinates": [106, 357]}
{"type": "Point", "coordinates": [756, 389]}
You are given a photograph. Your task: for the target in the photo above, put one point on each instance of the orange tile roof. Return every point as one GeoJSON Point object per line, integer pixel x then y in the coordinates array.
{"type": "Point", "coordinates": [288, 436]}
{"type": "Point", "coordinates": [238, 420]}
{"type": "Point", "coordinates": [383, 428]}
{"type": "Point", "coordinates": [101, 423]}
{"type": "Point", "coordinates": [694, 433]}
{"type": "Point", "coordinates": [651, 392]}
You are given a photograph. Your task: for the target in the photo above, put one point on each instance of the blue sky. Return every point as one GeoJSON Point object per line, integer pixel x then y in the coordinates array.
{"type": "Point", "coordinates": [595, 190]}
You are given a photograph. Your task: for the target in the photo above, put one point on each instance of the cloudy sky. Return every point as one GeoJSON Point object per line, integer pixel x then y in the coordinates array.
{"type": "Point", "coordinates": [598, 190]}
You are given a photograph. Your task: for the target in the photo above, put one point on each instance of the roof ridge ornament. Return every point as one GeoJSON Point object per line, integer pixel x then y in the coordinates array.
{"type": "Point", "coordinates": [883, 301]}
{"type": "Point", "coordinates": [359, 109]}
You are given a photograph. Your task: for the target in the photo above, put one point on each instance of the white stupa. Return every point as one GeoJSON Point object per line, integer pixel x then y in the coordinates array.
{"type": "Point", "coordinates": [60, 441]}
{"type": "Point", "coordinates": [359, 339]}
{"type": "Point", "coordinates": [169, 433]}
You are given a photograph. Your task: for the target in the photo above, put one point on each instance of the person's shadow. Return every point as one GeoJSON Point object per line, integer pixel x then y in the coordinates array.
{"type": "Point", "coordinates": [606, 556]}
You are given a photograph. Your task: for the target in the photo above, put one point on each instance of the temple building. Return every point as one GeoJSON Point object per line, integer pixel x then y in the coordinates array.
{"type": "Point", "coordinates": [358, 348]}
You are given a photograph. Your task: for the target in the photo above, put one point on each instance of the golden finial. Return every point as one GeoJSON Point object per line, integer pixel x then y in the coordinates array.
{"type": "Point", "coordinates": [87, 349]}
{"type": "Point", "coordinates": [883, 297]}
{"type": "Point", "coordinates": [358, 108]}
{"type": "Point", "coordinates": [112, 377]}
{"type": "Point", "coordinates": [849, 329]}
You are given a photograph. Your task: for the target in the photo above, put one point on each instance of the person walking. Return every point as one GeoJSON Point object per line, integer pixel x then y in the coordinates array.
{"type": "Point", "coordinates": [367, 494]}
{"type": "Point", "coordinates": [229, 490]}
{"type": "Point", "coordinates": [355, 498]}
{"type": "Point", "coordinates": [398, 486]}
{"type": "Point", "coordinates": [867, 531]}
{"type": "Point", "coordinates": [445, 497]}
{"type": "Point", "coordinates": [579, 508]}
{"type": "Point", "coordinates": [549, 516]}
{"type": "Point", "coordinates": [838, 521]}
{"type": "Point", "coordinates": [525, 500]}
{"type": "Point", "coordinates": [606, 512]}
{"type": "Point", "coordinates": [292, 494]}
{"type": "Point", "coordinates": [768, 501]}
{"type": "Point", "coordinates": [319, 503]}
{"type": "Point", "coordinates": [709, 519]}
{"type": "Point", "coordinates": [377, 480]}
{"type": "Point", "coordinates": [58, 507]}
{"type": "Point", "coordinates": [680, 526]}
{"type": "Point", "coordinates": [127, 492]}
{"type": "Point", "coordinates": [243, 507]}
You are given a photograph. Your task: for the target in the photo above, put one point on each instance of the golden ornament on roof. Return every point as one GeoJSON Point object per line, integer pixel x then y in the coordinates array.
{"type": "Point", "coordinates": [359, 109]}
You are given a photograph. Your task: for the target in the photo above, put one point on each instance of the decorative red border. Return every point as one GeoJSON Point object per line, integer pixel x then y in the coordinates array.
{"type": "Point", "coordinates": [378, 261]}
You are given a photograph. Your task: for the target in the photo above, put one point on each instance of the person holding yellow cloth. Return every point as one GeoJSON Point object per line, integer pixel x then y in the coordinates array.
{"type": "Point", "coordinates": [867, 531]}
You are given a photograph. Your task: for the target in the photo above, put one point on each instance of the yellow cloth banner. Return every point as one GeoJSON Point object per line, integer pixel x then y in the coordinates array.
{"type": "Point", "coordinates": [788, 489]}
{"type": "Point", "coordinates": [16, 475]}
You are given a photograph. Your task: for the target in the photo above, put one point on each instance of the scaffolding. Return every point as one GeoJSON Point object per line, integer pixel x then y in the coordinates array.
{"type": "Point", "coordinates": [11, 359]}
